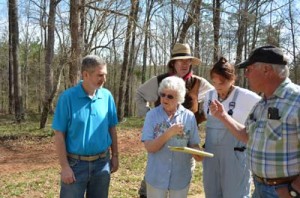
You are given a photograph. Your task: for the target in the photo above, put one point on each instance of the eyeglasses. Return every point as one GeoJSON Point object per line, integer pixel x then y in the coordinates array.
{"type": "Point", "coordinates": [171, 97]}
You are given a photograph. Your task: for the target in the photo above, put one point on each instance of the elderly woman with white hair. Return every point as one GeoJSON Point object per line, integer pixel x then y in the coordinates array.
{"type": "Point", "coordinates": [169, 124]}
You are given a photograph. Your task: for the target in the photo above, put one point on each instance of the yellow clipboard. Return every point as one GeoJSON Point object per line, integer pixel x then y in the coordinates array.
{"type": "Point", "coordinates": [190, 151]}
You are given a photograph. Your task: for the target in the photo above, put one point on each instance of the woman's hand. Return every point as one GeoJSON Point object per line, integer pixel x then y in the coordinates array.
{"type": "Point", "coordinates": [198, 158]}
{"type": "Point", "coordinates": [217, 109]}
{"type": "Point", "coordinates": [176, 129]}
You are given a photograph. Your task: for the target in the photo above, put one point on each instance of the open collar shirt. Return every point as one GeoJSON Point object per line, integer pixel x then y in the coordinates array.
{"type": "Point", "coordinates": [84, 121]}
{"type": "Point", "coordinates": [274, 133]}
{"type": "Point", "coordinates": [167, 169]}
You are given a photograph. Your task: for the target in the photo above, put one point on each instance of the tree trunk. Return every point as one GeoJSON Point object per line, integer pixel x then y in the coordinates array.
{"type": "Point", "coordinates": [189, 21]}
{"type": "Point", "coordinates": [197, 34]}
{"type": "Point", "coordinates": [149, 8]}
{"type": "Point", "coordinates": [14, 33]}
{"type": "Point", "coordinates": [130, 77]}
{"type": "Point", "coordinates": [76, 39]}
{"type": "Point", "coordinates": [173, 39]}
{"type": "Point", "coordinates": [255, 30]}
{"type": "Point", "coordinates": [11, 100]}
{"type": "Point", "coordinates": [124, 70]}
{"type": "Point", "coordinates": [216, 24]}
{"type": "Point", "coordinates": [241, 33]}
{"type": "Point", "coordinates": [48, 97]}
{"type": "Point", "coordinates": [293, 42]}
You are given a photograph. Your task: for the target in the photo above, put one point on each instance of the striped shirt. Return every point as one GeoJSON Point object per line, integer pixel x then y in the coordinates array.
{"type": "Point", "coordinates": [274, 133]}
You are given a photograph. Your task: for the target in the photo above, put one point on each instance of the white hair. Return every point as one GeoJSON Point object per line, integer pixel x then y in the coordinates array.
{"type": "Point", "coordinates": [174, 83]}
{"type": "Point", "coordinates": [282, 70]}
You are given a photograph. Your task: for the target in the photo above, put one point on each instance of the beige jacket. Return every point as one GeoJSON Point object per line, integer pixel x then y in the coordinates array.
{"type": "Point", "coordinates": [148, 93]}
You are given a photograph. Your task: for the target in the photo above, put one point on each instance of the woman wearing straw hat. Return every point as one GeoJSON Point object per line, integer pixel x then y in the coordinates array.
{"type": "Point", "coordinates": [180, 65]}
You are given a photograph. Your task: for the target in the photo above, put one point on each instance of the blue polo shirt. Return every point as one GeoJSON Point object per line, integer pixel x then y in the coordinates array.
{"type": "Point", "coordinates": [85, 121]}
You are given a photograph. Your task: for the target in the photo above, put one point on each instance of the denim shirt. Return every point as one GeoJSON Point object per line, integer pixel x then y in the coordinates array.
{"type": "Point", "coordinates": [167, 169]}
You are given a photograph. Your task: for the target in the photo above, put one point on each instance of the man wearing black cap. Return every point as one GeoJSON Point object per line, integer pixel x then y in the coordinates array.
{"type": "Point", "coordinates": [272, 130]}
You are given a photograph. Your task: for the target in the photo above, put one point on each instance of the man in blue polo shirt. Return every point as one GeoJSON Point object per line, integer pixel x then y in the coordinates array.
{"type": "Point", "coordinates": [85, 122]}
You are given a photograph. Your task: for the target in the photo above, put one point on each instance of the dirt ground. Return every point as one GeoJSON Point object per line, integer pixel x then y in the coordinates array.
{"type": "Point", "coordinates": [25, 154]}
{"type": "Point", "coordinates": [34, 153]}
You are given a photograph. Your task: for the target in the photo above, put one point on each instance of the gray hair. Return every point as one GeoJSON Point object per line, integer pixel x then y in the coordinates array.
{"type": "Point", "coordinates": [90, 62]}
{"type": "Point", "coordinates": [282, 70]}
{"type": "Point", "coordinates": [174, 83]}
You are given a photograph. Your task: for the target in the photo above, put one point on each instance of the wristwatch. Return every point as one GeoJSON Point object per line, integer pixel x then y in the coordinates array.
{"type": "Point", "coordinates": [292, 191]}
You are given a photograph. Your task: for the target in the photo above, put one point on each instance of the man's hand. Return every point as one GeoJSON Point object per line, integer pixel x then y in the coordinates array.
{"type": "Point", "coordinates": [114, 164]}
{"type": "Point", "coordinates": [67, 175]}
{"type": "Point", "coordinates": [283, 192]}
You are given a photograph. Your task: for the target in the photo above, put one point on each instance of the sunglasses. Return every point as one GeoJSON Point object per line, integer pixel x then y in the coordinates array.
{"type": "Point", "coordinates": [171, 97]}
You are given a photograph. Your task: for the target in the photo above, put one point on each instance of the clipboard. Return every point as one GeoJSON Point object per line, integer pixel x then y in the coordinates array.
{"type": "Point", "coordinates": [190, 151]}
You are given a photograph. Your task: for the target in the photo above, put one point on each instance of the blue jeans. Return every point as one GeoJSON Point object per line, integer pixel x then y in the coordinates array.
{"type": "Point", "coordinates": [92, 178]}
{"type": "Point", "coordinates": [264, 191]}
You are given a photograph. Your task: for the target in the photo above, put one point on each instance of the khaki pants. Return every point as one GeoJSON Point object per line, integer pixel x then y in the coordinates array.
{"type": "Point", "coordinates": [159, 193]}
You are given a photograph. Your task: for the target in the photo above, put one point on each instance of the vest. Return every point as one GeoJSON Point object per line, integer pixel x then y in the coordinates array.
{"type": "Point", "coordinates": [191, 97]}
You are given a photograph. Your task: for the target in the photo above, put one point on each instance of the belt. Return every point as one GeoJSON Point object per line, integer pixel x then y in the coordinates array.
{"type": "Point", "coordinates": [275, 181]}
{"type": "Point", "coordinates": [88, 158]}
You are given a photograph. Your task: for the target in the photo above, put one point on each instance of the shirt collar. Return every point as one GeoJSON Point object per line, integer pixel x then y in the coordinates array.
{"type": "Point", "coordinates": [83, 94]}
{"type": "Point", "coordinates": [179, 110]}
{"type": "Point", "coordinates": [281, 90]}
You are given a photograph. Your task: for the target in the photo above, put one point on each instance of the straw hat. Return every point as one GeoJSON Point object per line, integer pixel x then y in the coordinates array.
{"type": "Point", "coordinates": [183, 51]}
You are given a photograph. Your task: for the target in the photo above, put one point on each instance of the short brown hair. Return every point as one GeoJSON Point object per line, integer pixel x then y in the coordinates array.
{"type": "Point", "coordinates": [223, 68]}
{"type": "Point", "coordinates": [90, 62]}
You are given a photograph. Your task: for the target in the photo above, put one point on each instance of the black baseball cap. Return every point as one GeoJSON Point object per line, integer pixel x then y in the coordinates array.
{"type": "Point", "coordinates": [265, 54]}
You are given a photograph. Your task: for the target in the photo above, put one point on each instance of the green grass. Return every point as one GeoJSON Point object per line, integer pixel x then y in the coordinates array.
{"type": "Point", "coordinates": [130, 123]}
{"type": "Point", "coordinates": [30, 127]}
{"type": "Point", "coordinates": [37, 183]}
{"type": "Point", "coordinates": [45, 182]}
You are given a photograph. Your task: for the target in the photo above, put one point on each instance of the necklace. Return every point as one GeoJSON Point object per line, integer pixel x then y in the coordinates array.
{"type": "Point", "coordinates": [222, 99]}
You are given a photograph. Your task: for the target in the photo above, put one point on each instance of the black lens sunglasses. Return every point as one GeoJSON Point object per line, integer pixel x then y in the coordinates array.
{"type": "Point", "coordinates": [171, 97]}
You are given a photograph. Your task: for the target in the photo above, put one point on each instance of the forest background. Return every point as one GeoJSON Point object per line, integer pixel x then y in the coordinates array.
{"type": "Point", "coordinates": [42, 43]}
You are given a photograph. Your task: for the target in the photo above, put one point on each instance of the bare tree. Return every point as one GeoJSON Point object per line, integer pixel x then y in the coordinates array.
{"type": "Point", "coordinates": [124, 70]}
{"type": "Point", "coordinates": [50, 89]}
{"type": "Point", "coordinates": [14, 34]}
{"type": "Point", "coordinates": [292, 29]}
{"type": "Point", "coordinates": [216, 24]}
{"type": "Point", "coordinates": [242, 20]}
{"type": "Point", "coordinates": [197, 32]}
{"type": "Point", "coordinates": [76, 31]}
{"type": "Point", "coordinates": [149, 7]}
{"type": "Point", "coordinates": [10, 72]}
{"type": "Point", "coordinates": [255, 25]}
{"type": "Point", "coordinates": [132, 63]}
{"type": "Point", "coordinates": [191, 16]}
{"type": "Point", "coordinates": [241, 32]}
